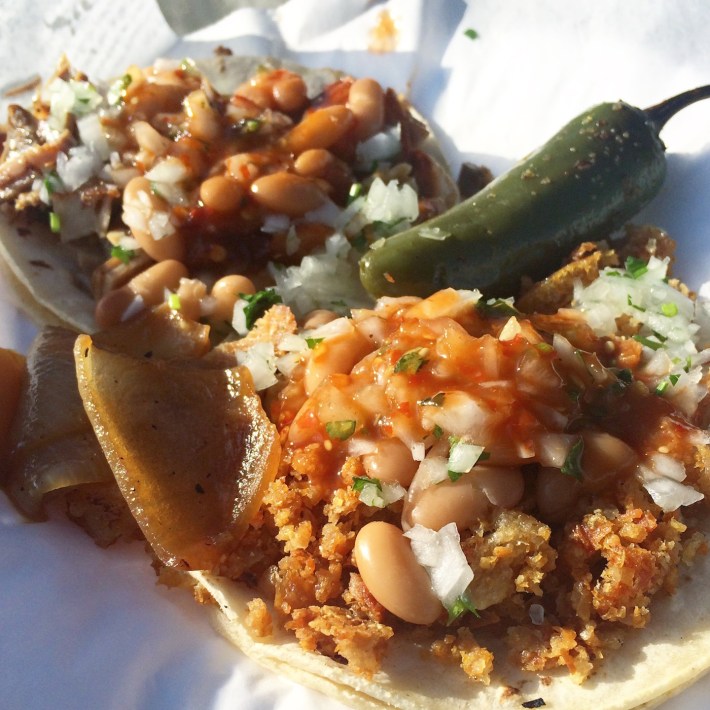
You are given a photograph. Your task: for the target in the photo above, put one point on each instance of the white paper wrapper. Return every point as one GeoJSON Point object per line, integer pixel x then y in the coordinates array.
{"type": "Point", "coordinates": [86, 628]}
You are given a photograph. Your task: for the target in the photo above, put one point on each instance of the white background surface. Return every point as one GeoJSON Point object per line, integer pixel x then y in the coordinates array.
{"type": "Point", "coordinates": [82, 628]}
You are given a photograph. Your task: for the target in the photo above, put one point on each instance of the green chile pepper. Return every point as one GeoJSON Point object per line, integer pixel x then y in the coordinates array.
{"type": "Point", "coordinates": [583, 184]}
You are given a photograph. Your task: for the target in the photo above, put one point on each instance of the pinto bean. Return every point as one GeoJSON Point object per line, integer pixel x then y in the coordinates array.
{"type": "Point", "coordinates": [391, 461]}
{"type": "Point", "coordinates": [226, 292]}
{"type": "Point", "coordinates": [466, 500]}
{"type": "Point", "coordinates": [366, 100]}
{"type": "Point", "coordinates": [392, 574]}
{"type": "Point", "coordinates": [144, 212]}
{"type": "Point", "coordinates": [221, 193]}
{"type": "Point", "coordinates": [144, 290]}
{"type": "Point", "coordinates": [287, 193]}
{"type": "Point", "coordinates": [338, 354]}
{"type": "Point", "coordinates": [320, 129]}
{"type": "Point", "coordinates": [457, 502]}
{"type": "Point", "coordinates": [202, 120]}
{"type": "Point", "coordinates": [289, 92]}
{"type": "Point", "coordinates": [321, 163]}
{"type": "Point", "coordinates": [503, 486]}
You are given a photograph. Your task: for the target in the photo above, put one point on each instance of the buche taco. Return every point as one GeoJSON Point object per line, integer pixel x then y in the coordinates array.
{"type": "Point", "coordinates": [449, 501]}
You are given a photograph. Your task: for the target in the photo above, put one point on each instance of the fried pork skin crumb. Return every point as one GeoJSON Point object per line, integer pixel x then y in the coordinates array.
{"type": "Point", "coordinates": [547, 647]}
{"type": "Point", "coordinates": [258, 619]}
{"type": "Point", "coordinates": [639, 555]}
{"type": "Point", "coordinates": [512, 555]}
{"type": "Point", "coordinates": [462, 648]}
{"type": "Point", "coordinates": [334, 632]}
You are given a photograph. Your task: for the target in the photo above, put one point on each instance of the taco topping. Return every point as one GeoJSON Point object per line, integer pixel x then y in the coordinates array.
{"type": "Point", "coordinates": [159, 166]}
{"type": "Point", "coordinates": [481, 479]}
{"type": "Point", "coordinates": [453, 472]}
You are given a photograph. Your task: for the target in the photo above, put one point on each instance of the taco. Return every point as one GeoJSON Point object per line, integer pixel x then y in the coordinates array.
{"type": "Point", "coordinates": [471, 507]}
{"type": "Point", "coordinates": [438, 502]}
{"type": "Point", "coordinates": [231, 166]}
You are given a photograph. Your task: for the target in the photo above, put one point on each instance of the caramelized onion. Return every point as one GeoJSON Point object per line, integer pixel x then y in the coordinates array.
{"type": "Point", "coordinates": [51, 444]}
{"type": "Point", "coordinates": [191, 448]}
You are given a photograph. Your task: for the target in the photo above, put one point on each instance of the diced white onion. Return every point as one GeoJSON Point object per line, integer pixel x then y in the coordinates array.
{"type": "Point", "coordinates": [390, 202]}
{"type": "Point", "coordinates": [463, 457]}
{"type": "Point", "coordinates": [418, 451]}
{"type": "Point", "coordinates": [275, 223]}
{"type": "Point", "coordinates": [510, 330]}
{"type": "Point", "coordinates": [77, 166]}
{"type": "Point", "coordinates": [323, 279]}
{"type": "Point", "coordinates": [552, 448]}
{"type": "Point", "coordinates": [239, 318]}
{"type": "Point", "coordinates": [260, 360]}
{"type": "Point", "coordinates": [293, 343]}
{"type": "Point", "coordinates": [441, 556]}
{"type": "Point", "coordinates": [170, 170]}
{"type": "Point", "coordinates": [92, 135]}
{"type": "Point", "coordinates": [671, 495]}
{"type": "Point", "coordinates": [382, 146]}
{"type": "Point", "coordinates": [383, 495]}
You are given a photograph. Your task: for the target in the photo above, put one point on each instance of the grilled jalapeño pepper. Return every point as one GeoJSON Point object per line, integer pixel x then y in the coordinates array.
{"type": "Point", "coordinates": [584, 183]}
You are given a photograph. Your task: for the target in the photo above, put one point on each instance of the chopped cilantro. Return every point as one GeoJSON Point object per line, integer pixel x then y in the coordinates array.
{"type": "Point", "coordinates": [573, 461]}
{"type": "Point", "coordinates": [471, 33]}
{"type": "Point", "coordinates": [342, 429]}
{"type": "Point", "coordinates": [635, 268]}
{"type": "Point", "coordinates": [124, 255]}
{"type": "Point", "coordinates": [313, 342]}
{"type": "Point", "coordinates": [411, 361]}
{"type": "Point", "coordinates": [625, 375]}
{"type": "Point", "coordinates": [630, 303]}
{"type": "Point", "coordinates": [257, 304]}
{"type": "Point", "coordinates": [359, 483]}
{"type": "Point", "coordinates": [354, 192]}
{"type": "Point", "coordinates": [462, 605]}
{"type": "Point", "coordinates": [55, 223]}
{"type": "Point", "coordinates": [174, 301]}
{"type": "Point", "coordinates": [385, 229]}
{"type": "Point", "coordinates": [117, 90]}
{"type": "Point", "coordinates": [250, 125]}
{"type": "Point", "coordinates": [654, 345]}
{"type": "Point", "coordinates": [52, 182]}
{"type": "Point", "coordinates": [496, 308]}
{"type": "Point", "coordinates": [544, 347]}
{"type": "Point", "coordinates": [669, 309]}
{"type": "Point", "coordinates": [662, 386]}
{"type": "Point", "coordinates": [438, 432]}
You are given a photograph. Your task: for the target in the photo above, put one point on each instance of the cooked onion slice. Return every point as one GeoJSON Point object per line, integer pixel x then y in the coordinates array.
{"type": "Point", "coordinates": [51, 445]}
{"type": "Point", "coordinates": [190, 447]}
